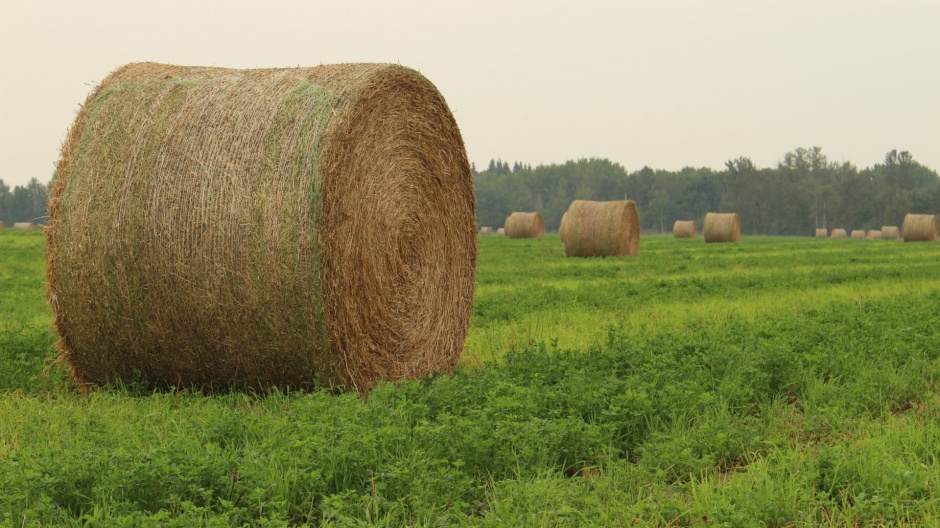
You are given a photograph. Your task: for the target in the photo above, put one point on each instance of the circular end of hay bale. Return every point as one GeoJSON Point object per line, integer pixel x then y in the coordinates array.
{"type": "Point", "coordinates": [525, 225]}
{"type": "Point", "coordinates": [563, 228]}
{"type": "Point", "coordinates": [685, 229]}
{"type": "Point", "coordinates": [920, 228]}
{"type": "Point", "coordinates": [602, 229]}
{"type": "Point", "coordinates": [212, 228]}
{"type": "Point", "coordinates": [721, 227]}
{"type": "Point", "coordinates": [822, 233]}
{"type": "Point", "coordinates": [838, 233]}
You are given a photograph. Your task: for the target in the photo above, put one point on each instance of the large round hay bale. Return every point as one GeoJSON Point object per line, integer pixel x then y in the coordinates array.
{"type": "Point", "coordinates": [722, 227]}
{"type": "Point", "coordinates": [858, 234]}
{"type": "Point", "coordinates": [278, 227]}
{"type": "Point", "coordinates": [501, 231]}
{"type": "Point", "coordinates": [24, 225]}
{"type": "Point", "coordinates": [602, 229]}
{"type": "Point", "coordinates": [525, 225]}
{"type": "Point", "coordinates": [890, 233]}
{"type": "Point", "coordinates": [838, 233]}
{"type": "Point", "coordinates": [873, 234]}
{"type": "Point", "coordinates": [486, 230]}
{"type": "Point", "coordinates": [822, 233]}
{"type": "Point", "coordinates": [563, 228]}
{"type": "Point", "coordinates": [920, 228]}
{"type": "Point", "coordinates": [685, 229]}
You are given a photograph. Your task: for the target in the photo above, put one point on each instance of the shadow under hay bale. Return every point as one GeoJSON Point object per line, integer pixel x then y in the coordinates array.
{"type": "Point", "coordinates": [685, 229]}
{"type": "Point", "coordinates": [525, 225]}
{"type": "Point", "coordinates": [920, 228]}
{"type": "Point", "coordinates": [721, 227]}
{"type": "Point", "coordinates": [602, 229]}
{"type": "Point", "coordinates": [212, 228]}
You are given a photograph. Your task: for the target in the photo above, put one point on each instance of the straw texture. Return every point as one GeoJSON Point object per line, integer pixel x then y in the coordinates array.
{"type": "Point", "coordinates": [858, 234]}
{"type": "Point", "coordinates": [890, 233]}
{"type": "Point", "coordinates": [685, 229]}
{"type": "Point", "coordinates": [838, 233]}
{"type": "Point", "coordinates": [212, 228]}
{"type": "Point", "coordinates": [24, 225]}
{"type": "Point", "coordinates": [722, 227]}
{"type": "Point", "coordinates": [873, 234]}
{"type": "Point", "coordinates": [821, 233]}
{"type": "Point", "coordinates": [525, 225]}
{"type": "Point", "coordinates": [602, 229]}
{"type": "Point", "coordinates": [919, 228]}
{"type": "Point", "coordinates": [563, 228]}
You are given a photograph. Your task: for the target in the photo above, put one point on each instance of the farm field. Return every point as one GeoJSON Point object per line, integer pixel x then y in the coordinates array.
{"type": "Point", "coordinates": [773, 382]}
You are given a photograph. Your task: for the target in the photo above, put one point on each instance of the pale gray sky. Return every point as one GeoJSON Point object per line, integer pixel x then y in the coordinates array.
{"type": "Point", "coordinates": [661, 83]}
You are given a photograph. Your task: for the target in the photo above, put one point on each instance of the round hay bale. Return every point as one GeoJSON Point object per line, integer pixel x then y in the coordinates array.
{"type": "Point", "coordinates": [3, 225]}
{"type": "Point", "coordinates": [822, 233]}
{"type": "Point", "coordinates": [919, 228]}
{"type": "Point", "coordinates": [601, 229]}
{"type": "Point", "coordinates": [838, 233]}
{"type": "Point", "coordinates": [24, 225]}
{"type": "Point", "coordinates": [858, 234]}
{"type": "Point", "coordinates": [722, 227]}
{"type": "Point", "coordinates": [486, 230]}
{"type": "Point", "coordinates": [890, 233]}
{"type": "Point", "coordinates": [685, 229]}
{"type": "Point", "coordinates": [873, 234]}
{"type": "Point", "coordinates": [212, 228]}
{"type": "Point", "coordinates": [563, 228]}
{"type": "Point", "coordinates": [525, 225]}
{"type": "Point", "coordinates": [501, 231]}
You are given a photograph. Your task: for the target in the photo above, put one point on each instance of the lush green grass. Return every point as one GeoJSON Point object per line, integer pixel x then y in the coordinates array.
{"type": "Point", "coordinates": [777, 382]}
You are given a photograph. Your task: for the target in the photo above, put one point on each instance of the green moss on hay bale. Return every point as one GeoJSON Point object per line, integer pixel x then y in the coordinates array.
{"type": "Point", "coordinates": [274, 227]}
{"type": "Point", "coordinates": [601, 229]}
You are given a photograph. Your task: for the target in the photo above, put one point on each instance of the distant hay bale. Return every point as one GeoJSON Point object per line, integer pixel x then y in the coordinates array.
{"type": "Point", "coordinates": [685, 229]}
{"type": "Point", "coordinates": [858, 234]}
{"type": "Point", "coordinates": [525, 225]}
{"type": "Point", "coordinates": [838, 233]}
{"type": "Point", "coordinates": [563, 227]}
{"type": "Point", "coordinates": [890, 233]}
{"type": "Point", "coordinates": [486, 230]}
{"type": "Point", "coordinates": [3, 225]}
{"type": "Point", "coordinates": [602, 229]}
{"type": "Point", "coordinates": [501, 231]}
{"type": "Point", "coordinates": [919, 228]}
{"type": "Point", "coordinates": [215, 228]}
{"type": "Point", "coordinates": [722, 227]}
{"type": "Point", "coordinates": [873, 234]}
{"type": "Point", "coordinates": [822, 233]}
{"type": "Point", "coordinates": [24, 225]}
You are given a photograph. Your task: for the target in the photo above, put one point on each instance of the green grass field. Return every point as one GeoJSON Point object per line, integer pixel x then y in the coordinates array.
{"type": "Point", "coordinates": [774, 382]}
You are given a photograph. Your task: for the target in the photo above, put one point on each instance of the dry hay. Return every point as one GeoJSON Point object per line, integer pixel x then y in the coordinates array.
{"type": "Point", "coordinates": [486, 230]}
{"type": "Point", "coordinates": [212, 228]}
{"type": "Point", "coordinates": [563, 228]}
{"type": "Point", "coordinates": [858, 234]}
{"type": "Point", "coordinates": [822, 233]}
{"type": "Point", "coordinates": [24, 225]}
{"type": "Point", "coordinates": [919, 228]}
{"type": "Point", "coordinates": [722, 227]}
{"type": "Point", "coordinates": [838, 233]}
{"type": "Point", "coordinates": [873, 234]}
{"type": "Point", "coordinates": [501, 231]}
{"type": "Point", "coordinates": [3, 225]}
{"type": "Point", "coordinates": [600, 229]}
{"type": "Point", "coordinates": [890, 233]}
{"type": "Point", "coordinates": [685, 229]}
{"type": "Point", "coordinates": [525, 225]}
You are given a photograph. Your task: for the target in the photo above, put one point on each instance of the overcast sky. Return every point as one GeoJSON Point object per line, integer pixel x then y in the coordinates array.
{"type": "Point", "coordinates": [667, 84]}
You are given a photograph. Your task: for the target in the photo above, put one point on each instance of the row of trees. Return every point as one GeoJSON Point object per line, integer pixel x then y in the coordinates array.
{"type": "Point", "coordinates": [26, 203]}
{"type": "Point", "coordinates": [802, 192]}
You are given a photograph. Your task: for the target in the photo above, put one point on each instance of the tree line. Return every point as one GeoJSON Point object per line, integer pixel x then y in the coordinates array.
{"type": "Point", "coordinates": [804, 191]}
{"type": "Point", "coordinates": [24, 203]}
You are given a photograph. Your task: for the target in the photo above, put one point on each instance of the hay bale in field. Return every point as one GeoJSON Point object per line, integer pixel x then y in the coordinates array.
{"type": "Point", "coordinates": [919, 228]}
{"type": "Point", "coordinates": [3, 225]}
{"type": "Point", "coordinates": [722, 227]}
{"type": "Point", "coordinates": [24, 225]}
{"type": "Point", "coordinates": [685, 229]}
{"type": "Point", "coordinates": [602, 229]}
{"type": "Point", "coordinates": [858, 234]}
{"type": "Point", "coordinates": [873, 234]}
{"type": "Point", "coordinates": [822, 233]}
{"type": "Point", "coordinates": [275, 227]}
{"type": "Point", "coordinates": [838, 233]}
{"type": "Point", "coordinates": [501, 231]}
{"type": "Point", "coordinates": [890, 233]}
{"type": "Point", "coordinates": [486, 230]}
{"type": "Point", "coordinates": [525, 225]}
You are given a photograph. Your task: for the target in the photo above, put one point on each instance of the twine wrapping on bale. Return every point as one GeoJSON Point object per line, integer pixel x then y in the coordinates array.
{"type": "Point", "coordinates": [890, 233]}
{"type": "Point", "coordinates": [501, 231]}
{"type": "Point", "coordinates": [919, 228]}
{"type": "Point", "coordinates": [525, 225]}
{"type": "Point", "coordinates": [873, 234]}
{"type": "Point", "coordinates": [486, 230]}
{"type": "Point", "coordinates": [838, 233]}
{"type": "Point", "coordinates": [722, 227]}
{"type": "Point", "coordinates": [858, 234]}
{"type": "Point", "coordinates": [822, 233]}
{"type": "Point", "coordinates": [24, 225]}
{"type": "Point", "coordinates": [601, 229]}
{"type": "Point", "coordinates": [685, 229]}
{"type": "Point", "coordinates": [212, 228]}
